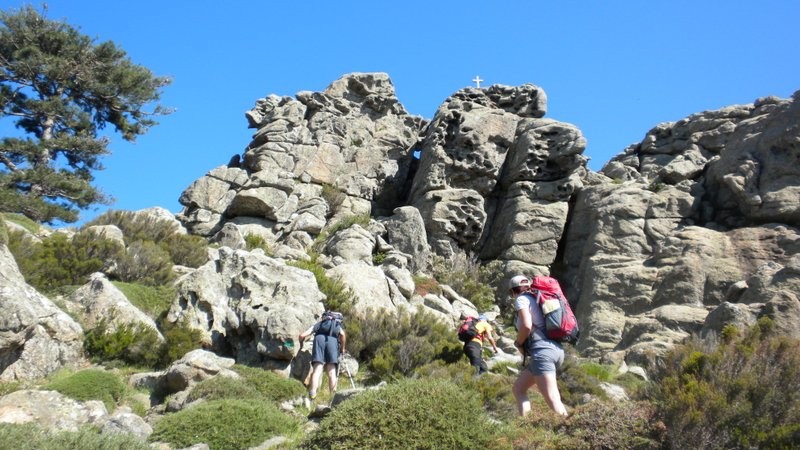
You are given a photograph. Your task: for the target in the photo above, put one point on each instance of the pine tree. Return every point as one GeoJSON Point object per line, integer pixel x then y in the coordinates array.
{"type": "Point", "coordinates": [61, 89]}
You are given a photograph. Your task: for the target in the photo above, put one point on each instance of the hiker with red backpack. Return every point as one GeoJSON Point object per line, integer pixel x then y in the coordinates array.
{"type": "Point", "coordinates": [329, 343]}
{"type": "Point", "coordinates": [472, 332]}
{"type": "Point", "coordinates": [543, 320]}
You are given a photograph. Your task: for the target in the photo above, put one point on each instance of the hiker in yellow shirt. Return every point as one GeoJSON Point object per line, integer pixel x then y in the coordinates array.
{"type": "Point", "coordinates": [474, 348]}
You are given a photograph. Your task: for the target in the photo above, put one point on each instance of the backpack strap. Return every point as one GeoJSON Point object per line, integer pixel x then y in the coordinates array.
{"type": "Point", "coordinates": [537, 334]}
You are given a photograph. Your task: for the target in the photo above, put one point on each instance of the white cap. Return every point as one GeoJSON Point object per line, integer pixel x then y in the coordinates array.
{"type": "Point", "coordinates": [519, 281]}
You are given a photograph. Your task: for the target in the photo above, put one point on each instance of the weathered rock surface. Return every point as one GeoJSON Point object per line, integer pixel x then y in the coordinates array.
{"type": "Point", "coordinates": [702, 214]}
{"type": "Point", "coordinates": [100, 301]}
{"type": "Point", "coordinates": [51, 410]}
{"type": "Point", "coordinates": [36, 337]}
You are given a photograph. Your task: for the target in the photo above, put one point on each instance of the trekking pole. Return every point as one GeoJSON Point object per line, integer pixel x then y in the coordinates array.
{"type": "Point", "coordinates": [350, 376]}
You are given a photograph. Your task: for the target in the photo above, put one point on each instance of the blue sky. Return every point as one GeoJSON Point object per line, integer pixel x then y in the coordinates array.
{"type": "Point", "coordinates": [614, 69]}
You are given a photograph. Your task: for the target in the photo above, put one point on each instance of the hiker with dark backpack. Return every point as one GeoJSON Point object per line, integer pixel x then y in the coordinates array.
{"type": "Point", "coordinates": [329, 343]}
{"type": "Point", "coordinates": [472, 332]}
{"type": "Point", "coordinates": [544, 353]}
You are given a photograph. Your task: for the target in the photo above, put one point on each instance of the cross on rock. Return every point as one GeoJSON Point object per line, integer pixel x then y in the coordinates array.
{"type": "Point", "coordinates": [477, 81]}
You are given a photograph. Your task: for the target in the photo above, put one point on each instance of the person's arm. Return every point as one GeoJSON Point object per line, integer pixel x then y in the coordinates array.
{"type": "Point", "coordinates": [304, 335]}
{"type": "Point", "coordinates": [525, 325]}
{"type": "Point", "coordinates": [491, 339]}
{"type": "Point", "coordinates": [342, 342]}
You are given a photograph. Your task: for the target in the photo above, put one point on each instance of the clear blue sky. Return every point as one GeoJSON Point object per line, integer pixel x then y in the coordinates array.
{"type": "Point", "coordinates": [614, 69]}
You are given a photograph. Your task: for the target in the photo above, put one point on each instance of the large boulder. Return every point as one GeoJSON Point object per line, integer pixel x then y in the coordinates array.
{"type": "Point", "coordinates": [248, 305]}
{"type": "Point", "coordinates": [36, 337]}
{"type": "Point", "coordinates": [99, 301]}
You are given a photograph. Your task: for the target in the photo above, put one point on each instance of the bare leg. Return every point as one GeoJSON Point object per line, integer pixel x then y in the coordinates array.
{"type": "Point", "coordinates": [548, 386]}
{"type": "Point", "coordinates": [332, 378]}
{"type": "Point", "coordinates": [524, 381]}
{"type": "Point", "coordinates": [316, 377]}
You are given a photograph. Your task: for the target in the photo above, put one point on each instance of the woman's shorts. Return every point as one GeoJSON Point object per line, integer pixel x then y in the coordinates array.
{"type": "Point", "coordinates": [545, 360]}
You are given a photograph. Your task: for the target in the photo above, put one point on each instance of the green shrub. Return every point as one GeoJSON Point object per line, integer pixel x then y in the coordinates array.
{"type": "Point", "coordinates": [3, 232]}
{"type": "Point", "coordinates": [152, 300]}
{"type": "Point", "coordinates": [426, 285]}
{"type": "Point", "coordinates": [146, 263]}
{"type": "Point", "coordinates": [743, 394]}
{"type": "Point", "coordinates": [254, 241]}
{"type": "Point", "coordinates": [471, 279]}
{"type": "Point", "coordinates": [180, 339]}
{"type": "Point", "coordinates": [33, 437]}
{"type": "Point", "coordinates": [397, 344]}
{"type": "Point", "coordinates": [90, 384]}
{"type": "Point", "coordinates": [220, 388]}
{"type": "Point", "coordinates": [334, 197]}
{"type": "Point", "coordinates": [416, 414]}
{"type": "Point", "coordinates": [493, 390]}
{"type": "Point", "coordinates": [596, 425]}
{"type": "Point", "coordinates": [224, 424]}
{"type": "Point", "coordinates": [22, 221]}
{"type": "Point", "coordinates": [270, 385]}
{"type": "Point", "coordinates": [338, 296]}
{"type": "Point", "coordinates": [136, 345]}
{"type": "Point", "coordinates": [8, 387]}
{"type": "Point", "coordinates": [183, 249]}
{"type": "Point", "coordinates": [186, 249]}
{"type": "Point", "coordinates": [342, 224]}
{"type": "Point", "coordinates": [60, 261]}
{"type": "Point", "coordinates": [136, 227]}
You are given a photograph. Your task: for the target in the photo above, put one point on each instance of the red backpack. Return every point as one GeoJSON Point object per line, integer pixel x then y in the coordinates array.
{"type": "Point", "coordinates": [468, 330]}
{"type": "Point", "coordinates": [560, 322]}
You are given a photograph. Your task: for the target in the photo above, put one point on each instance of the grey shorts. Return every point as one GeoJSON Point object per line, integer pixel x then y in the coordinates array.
{"type": "Point", "coordinates": [326, 349]}
{"type": "Point", "coordinates": [545, 360]}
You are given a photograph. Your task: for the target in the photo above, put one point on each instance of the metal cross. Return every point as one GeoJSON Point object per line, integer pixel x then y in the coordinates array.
{"type": "Point", "coordinates": [477, 81]}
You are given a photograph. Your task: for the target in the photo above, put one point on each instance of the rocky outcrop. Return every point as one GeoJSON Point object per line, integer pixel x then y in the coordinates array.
{"type": "Point", "coordinates": [701, 215]}
{"type": "Point", "coordinates": [495, 178]}
{"type": "Point", "coordinates": [36, 337]}
{"type": "Point", "coordinates": [354, 137]}
{"type": "Point", "coordinates": [671, 229]}
{"type": "Point", "coordinates": [99, 301]}
{"type": "Point", "coordinates": [248, 305]}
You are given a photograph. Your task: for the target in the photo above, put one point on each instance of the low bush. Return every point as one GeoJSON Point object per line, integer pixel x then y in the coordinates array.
{"type": "Point", "coordinates": [186, 249]}
{"type": "Point", "coordinates": [469, 277]}
{"type": "Point", "coordinates": [254, 241]}
{"type": "Point", "coordinates": [397, 344]}
{"type": "Point", "coordinates": [23, 221]}
{"type": "Point", "coordinates": [89, 384]}
{"type": "Point", "coordinates": [224, 424]}
{"type": "Point", "coordinates": [426, 285]}
{"type": "Point", "coordinates": [136, 227]}
{"type": "Point", "coordinates": [416, 414]}
{"type": "Point", "coordinates": [151, 300]}
{"type": "Point", "coordinates": [59, 261]}
{"type": "Point", "coordinates": [493, 390]}
{"type": "Point", "coordinates": [338, 296]}
{"type": "Point", "coordinates": [220, 388]}
{"type": "Point", "coordinates": [596, 425]}
{"type": "Point", "coordinates": [136, 345]}
{"type": "Point", "coordinates": [271, 385]}
{"type": "Point", "coordinates": [745, 393]}
{"type": "Point", "coordinates": [180, 339]}
{"type": "Point", "coordinates": [3, 232]}
{"type": "Point", "coordinates": [146, 263]}
{"type": "Point", "coordinates": [333, 196]}
{"type": "Point", "coordinates": [8, 387]}
{"type": "Point", "coordinates": [32, 437]}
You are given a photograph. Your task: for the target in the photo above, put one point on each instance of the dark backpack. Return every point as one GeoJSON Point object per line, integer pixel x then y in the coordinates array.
{"type": "Point", "coordinates": [560, 322]}
{"type": "Point", "coordinates": [330, 323]}
{"type": "Point", "coordinates": [468, 330]}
